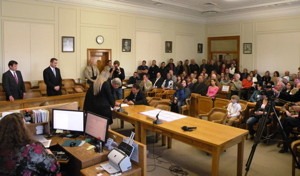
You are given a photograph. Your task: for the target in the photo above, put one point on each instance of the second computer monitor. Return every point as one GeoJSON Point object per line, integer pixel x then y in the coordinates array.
{"type": "Point", "coordinates": [96, 126]}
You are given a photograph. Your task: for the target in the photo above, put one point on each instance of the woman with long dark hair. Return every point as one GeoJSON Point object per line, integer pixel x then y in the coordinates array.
{"type": "Point", "coordinates": [19, 153]}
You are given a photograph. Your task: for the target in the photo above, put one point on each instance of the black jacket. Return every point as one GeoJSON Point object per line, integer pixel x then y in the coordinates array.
{"type": "Point", "coordinates": [51, 81]}
{"type": "Point", "coordinates": [11, 87]}
{"type": "Point", "coordinates": [100, 103]}
{"type": "Point", "coordinates": [139, 99]}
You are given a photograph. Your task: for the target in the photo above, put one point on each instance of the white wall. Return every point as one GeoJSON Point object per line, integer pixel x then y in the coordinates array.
{"type": "Point", "coordinates": [32, 32]}
{"type": "Point", "coordinates": [276, 45]}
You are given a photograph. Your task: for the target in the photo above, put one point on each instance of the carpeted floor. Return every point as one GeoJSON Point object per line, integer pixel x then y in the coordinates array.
{"type": "Point", "coordinates": [188, 160]}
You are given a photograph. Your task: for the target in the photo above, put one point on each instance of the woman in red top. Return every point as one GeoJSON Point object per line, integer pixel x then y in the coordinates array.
{"type": "Point", "coordinates": [246, 87]}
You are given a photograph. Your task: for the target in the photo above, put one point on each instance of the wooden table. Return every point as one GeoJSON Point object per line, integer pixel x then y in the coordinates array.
{"type": "Point", "coordinates": [210, 137]}
{"type": "Point", "coordinates": [92, 171]}
{"type": "Point", "coordinates": [79, 157]}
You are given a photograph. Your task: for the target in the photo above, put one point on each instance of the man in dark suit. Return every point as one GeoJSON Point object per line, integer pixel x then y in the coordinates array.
{"type": "Point", "coordinates": [13, 83]}
{"type": "Point", "coordinates": [52, 78]}
{"type": "Point", "coordinates": [136, 97]}
{"type": "Point", "coordinates": [158, 81]}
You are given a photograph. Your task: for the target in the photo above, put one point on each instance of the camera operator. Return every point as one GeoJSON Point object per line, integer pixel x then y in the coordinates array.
{"type": "Point", "coordinates": [261, 108]}
{"type": "Point", "coordinates": [117, 72]}
{"type": "Point", "coordinates": [291, 121]}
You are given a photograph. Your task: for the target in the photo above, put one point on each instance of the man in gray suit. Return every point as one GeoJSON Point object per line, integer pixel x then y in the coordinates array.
{"type": "Point", "coordinates": [13, 83]}
{"type": "Point", "coordinates": [52, 78]}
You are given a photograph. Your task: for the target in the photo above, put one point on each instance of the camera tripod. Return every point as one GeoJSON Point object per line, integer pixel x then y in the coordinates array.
{"type": "Point", "coordinates": [261, 126]}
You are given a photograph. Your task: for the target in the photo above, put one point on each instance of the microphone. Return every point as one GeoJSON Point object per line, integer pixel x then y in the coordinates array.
{"type": "Point", "coordinates": [186, 128]}
{"type": "Point", "coordinates": [157, 121]}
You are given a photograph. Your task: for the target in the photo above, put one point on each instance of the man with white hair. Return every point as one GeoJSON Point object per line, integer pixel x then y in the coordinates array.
{"type": "Point", "coordinates": [236, 85]}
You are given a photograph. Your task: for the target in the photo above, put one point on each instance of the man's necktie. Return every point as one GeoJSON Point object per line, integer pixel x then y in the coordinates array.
{"type": "Point", "coordinates": [54, 72]}
{"type": "Point", "coordinates": [16, 78]}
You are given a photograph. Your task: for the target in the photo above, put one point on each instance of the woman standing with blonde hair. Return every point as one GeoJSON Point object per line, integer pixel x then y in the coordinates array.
{"type": "Point", "coordinates": [99, 98]}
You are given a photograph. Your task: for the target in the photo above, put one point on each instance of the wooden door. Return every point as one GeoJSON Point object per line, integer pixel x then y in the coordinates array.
{"type": "Point", "coordinates": [102, 56]}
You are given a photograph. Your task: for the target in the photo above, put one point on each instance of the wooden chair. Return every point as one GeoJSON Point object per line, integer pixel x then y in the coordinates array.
{"type": "Point", "coordinates": [153, 101]}
{"type": "Point", "coordinates": [217, 115]}
{"type": "Point", "coordinates": [27, 85]}
{"type": "Point", "coordinates": [205, 104]}
{"type": "Point", "coordinates": [32, 94]}
{"type": "Point", "coordinates": [221, 103]}
{"type": "Point", "coordinates": [194, 111]}
{"type": "Point", "coordinates": [42, 87]}
{"type": "Point", "coordinates": [185, 109]}
{"type": "Point", "coordinates": [296, 149]}
{"type": "Point", "coordinates": [153, 92]}
{"type": "Point", "coordinates": [71, 87]}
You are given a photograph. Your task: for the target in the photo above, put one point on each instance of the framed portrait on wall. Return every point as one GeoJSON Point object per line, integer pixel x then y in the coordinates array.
{"type": "Point", "coordinates": [168, 47]}
{"type": "Point", "coordinates": [68, 44]}
{"type": "Point", "coordinates": [247, 48]}
{"type": "Point", "coordinates": [126, 45]}
{"type": "Point", "coordinates": [200, 48]}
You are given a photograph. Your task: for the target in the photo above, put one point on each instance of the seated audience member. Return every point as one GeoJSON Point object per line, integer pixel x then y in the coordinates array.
{"type": "Point", "coordinates": [158, 81]}
{"type": "Point", "coordinates": [225, 80]}
{"type": "Point", "coordinates": [288, 88]}
{"type": "Point", "coordinates": [145, 84]}
{"type": "Point", "coordinates": [173, 77]}
{"type": "Point", "coordinates": [244, 74]}
{"type": "Point", "coordinates": [246, 87]}
{"type": "Point", "coordinates": [163, 70]}
{"type": "Point", "coordinates": [236, 85]}
{"type": "Point", "coordinates": [256, 93]}
{"type": "Point", "coordinates": [233, 110]}
{"type": "Point", "coordinates": [291, 121]}
{"type": "Point", "coordinates": [20, 154]}
{"type": "Point", "coordinates": [257, 76]}
{"type": "Point", "coordinates": [261, 109]}
{"type": "Point", "coordinates": [212, 89]}
{"type": "Point", "coordinates": [178, 79]}
{"type": "Point", "coordinates": [286, 76]}
{"type": "Point", "coordinates": [279, 86]}
{"type": "Point", "coordinates": [168, 83]}
{"type": "Point", "coordinates": [266, 78]}
{"type": "Point", "coordinates": [136, 96]}
{"type": "Point", "coordinates": [275, 77]}
{"type": "Point", "coordinates": [200, 87]}
{"type": "Point", "coordinates": [179, 98]}
{"type": "Point", "coordinates": [142, 69]}
{"type": "Point", "coordinates": [293, 97]}
{"type": "Point", "coordinates": [232, 70]}
{"type": "Point", "coordinates": [153, 70]}
{"type": "Point", "coordinates": [179, 68]}
{"type": "Point", "coordinates": [134, 78]}
{"type": "Point", "coordinates": [187, 90]}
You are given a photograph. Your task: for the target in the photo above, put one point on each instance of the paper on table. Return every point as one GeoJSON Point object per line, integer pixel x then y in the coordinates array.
{"type": "Point", "coordinates": [109, 168]}
{"type": "Point", "coordinates": [163, 115]}
{"type": "Point", "coordinates": [43, 140]}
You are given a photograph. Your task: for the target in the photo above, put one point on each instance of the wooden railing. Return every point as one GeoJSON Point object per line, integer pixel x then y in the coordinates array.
{"type": "Point", "coordinates": [33, 102]}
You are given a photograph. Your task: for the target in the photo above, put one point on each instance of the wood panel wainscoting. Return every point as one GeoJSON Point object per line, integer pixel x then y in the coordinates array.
{"type": "Point", "coordinates": [33, 102]}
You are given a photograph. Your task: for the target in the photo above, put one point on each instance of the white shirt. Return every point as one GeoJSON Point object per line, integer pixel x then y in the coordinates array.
{"type": "Point", "coordinates": [234, 109]}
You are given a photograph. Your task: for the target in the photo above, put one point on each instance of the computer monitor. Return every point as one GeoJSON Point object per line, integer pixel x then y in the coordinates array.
{"type": "Point", "coordinates": [96, 126]}
{"type": "Point", "coordinates": [71, 120]}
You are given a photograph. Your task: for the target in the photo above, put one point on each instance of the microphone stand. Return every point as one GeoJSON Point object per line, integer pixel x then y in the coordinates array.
{"type": "Point", "coordinates": [157, 121]}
